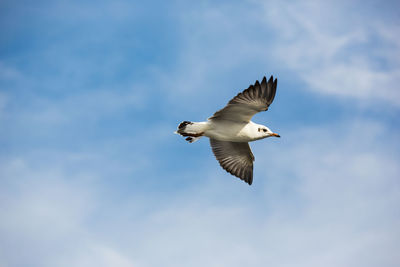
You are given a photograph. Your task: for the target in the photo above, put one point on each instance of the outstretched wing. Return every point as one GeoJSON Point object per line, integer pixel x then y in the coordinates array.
{"type": "Point", "coordinates": [254, 99]}
{"type": "Point", "coordinates": [235, 157]}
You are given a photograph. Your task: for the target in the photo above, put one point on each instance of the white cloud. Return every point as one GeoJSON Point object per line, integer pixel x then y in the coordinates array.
{"type": "Point", "coordinates": [89, 106]}
{"type": "Point", "coordinates": [46, 218]}
{"type": "Point", "coordinates": [347, 187]}
{"type": "Point", "coordinates": [86, 105]}
{"type": "Point", "coordinates": [319, 198]}
{"type": "Point", "coordinates": [333, 49]}
{"type": "Point", "coordinates": [337, 51]}
{"type": "Point", "coordinates": [323, 196]}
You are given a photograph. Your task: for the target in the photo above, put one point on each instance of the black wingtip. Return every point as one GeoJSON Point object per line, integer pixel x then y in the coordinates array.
{"type": "Point", "coordinates": [248, 177]}
{"type": "Point", "coordinates": [264, 80]}
{"type": "Point", "coordinates": [271, 78]}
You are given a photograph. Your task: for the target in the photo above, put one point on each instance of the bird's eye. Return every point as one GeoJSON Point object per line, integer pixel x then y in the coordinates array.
{"type": "Point", "coordinates": [265, 130]}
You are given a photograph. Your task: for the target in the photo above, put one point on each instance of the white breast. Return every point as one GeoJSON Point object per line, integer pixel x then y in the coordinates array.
{"type": "Point", "coordinates": [225, 130]}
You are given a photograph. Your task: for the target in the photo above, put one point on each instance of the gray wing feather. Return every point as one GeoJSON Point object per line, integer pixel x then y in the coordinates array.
{"type": "Point", "coordinates": [234, 157]}
{"type": "Point", "coordinates": [254, 99]}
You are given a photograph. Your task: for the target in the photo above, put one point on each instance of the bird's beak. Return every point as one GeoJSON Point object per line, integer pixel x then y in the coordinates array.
{"type": "Point", "coordinates": [275, 134]}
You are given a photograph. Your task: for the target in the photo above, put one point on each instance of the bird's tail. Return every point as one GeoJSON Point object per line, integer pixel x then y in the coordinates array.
{"type": "Point", "coordinates": [193, 131]}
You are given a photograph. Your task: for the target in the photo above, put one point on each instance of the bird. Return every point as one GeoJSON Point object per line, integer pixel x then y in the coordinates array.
{"type": "Point", "coordinates": [230, 129]}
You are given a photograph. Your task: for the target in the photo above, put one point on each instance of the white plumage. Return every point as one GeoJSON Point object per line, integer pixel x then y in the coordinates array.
{"type": "Point", "coordinates": [230, 129]}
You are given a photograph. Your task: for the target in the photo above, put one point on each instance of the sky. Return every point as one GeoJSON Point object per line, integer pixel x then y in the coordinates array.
{"type": "Point", "coordinates": [91, 173]}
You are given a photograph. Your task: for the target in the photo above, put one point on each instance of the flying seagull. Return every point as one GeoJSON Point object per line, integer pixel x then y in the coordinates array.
{"type": "Point", "coordinates": [230, 129]}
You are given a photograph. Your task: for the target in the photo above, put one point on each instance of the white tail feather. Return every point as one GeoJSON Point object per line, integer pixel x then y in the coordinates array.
{"type": "Point", "coordinates": [192, 130]}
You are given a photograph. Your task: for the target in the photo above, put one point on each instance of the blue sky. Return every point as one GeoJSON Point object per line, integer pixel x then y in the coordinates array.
{"type": "Point", "coordinates": [91, 173]}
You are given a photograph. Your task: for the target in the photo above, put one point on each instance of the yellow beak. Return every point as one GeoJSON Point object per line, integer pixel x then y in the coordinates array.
{"type": "Point", "coordinates": [275, 134]}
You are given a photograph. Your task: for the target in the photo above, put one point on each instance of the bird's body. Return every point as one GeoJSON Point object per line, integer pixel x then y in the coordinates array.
{"type": "Point", "coordinates": [226, 130]}
{"type": "Point", "coordinates": [230, 129]}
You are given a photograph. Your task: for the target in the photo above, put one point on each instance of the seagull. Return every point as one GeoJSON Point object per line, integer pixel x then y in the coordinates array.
{"type": "Point", "coordinates": [230, 129]}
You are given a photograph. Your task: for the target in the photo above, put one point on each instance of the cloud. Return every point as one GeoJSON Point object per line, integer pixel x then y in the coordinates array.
{"type": "Point", "coordinates": [47, 212]}
{"type": "Point", "coordinates": [327, 46]}
{"type": "Point", "coordinates": [85, 105]}
{"type": "Point", "coordinates": [336, 51]}
{"type": "Point", "coordinates": [74, 194]}
{"type": "Point", "coordinates": [319, 200]}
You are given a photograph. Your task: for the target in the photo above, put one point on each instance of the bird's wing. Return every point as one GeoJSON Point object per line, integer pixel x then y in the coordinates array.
{"type": "Point", "coordinates": [235, 157]}
{"type": "Point", "coordinates": [254, 99]}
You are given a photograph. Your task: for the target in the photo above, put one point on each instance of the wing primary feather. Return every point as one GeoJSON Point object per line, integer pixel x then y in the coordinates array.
{"type": "Point", "coordinates": [254, 99]}
{"type": "Point", "coordinates": [264, 84]}
{"type": "Point", "coordinates": [275, 86]}
{"type": "Point", "coordinates": [257, 90]}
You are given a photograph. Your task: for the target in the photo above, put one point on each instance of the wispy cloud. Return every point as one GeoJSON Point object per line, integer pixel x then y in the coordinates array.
{"type": "Point", "coordinates": [336, 51]}
{"type": "Point", "coordinates": [327, 208]}
{"type": "Point", "coordinates": [91, 173]}
{"type": "Point", "coordinates": [333, 50]}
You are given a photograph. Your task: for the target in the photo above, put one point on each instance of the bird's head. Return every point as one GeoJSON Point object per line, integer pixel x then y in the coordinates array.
{"type": "Point", "coordinates": [265, 132]}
